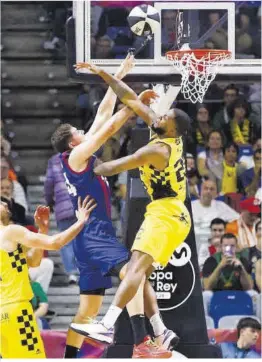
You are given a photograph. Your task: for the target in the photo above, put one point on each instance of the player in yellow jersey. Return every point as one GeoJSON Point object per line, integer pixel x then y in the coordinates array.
{"type": "Point", "coordinates": [20, 337]}
{"type": "Point", "coordinates": [163, 173]}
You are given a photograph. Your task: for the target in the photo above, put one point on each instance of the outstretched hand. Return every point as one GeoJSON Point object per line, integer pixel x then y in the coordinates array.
{"type": "Point", "coordinates": [41, 217]}
{"type": "Point", "coordinates": [126, 66]}
{"type": "Point", "coordinates": [85, 208]}
{"type": "Point", "coordinates": [148, 96]}
{"type": "Point", "coordinates": [123, 70]}
{"type": "Point", "coordinates": [90, 66]}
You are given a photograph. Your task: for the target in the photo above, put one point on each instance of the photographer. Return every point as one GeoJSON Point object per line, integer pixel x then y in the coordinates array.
{"type": "Point", "coordinates": [226, 270]}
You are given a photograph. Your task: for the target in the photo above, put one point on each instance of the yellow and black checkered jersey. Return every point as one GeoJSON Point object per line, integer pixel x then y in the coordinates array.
{"type": "Point", "coordinates": [14, 279]}
{"type": "Point", "coordinates": [171, 182]}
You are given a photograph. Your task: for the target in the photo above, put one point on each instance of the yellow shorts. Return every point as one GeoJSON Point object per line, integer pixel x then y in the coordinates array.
{"type": "Point", "coordinates": [166, 225]}
{"type": "Point", "coordinates": [20, 336]}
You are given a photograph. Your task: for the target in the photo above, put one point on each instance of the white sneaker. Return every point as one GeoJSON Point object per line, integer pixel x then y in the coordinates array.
{"type": "Point", "coordinates": [169, 339]}
{"type": "Point", "coordinates": [95, 330]}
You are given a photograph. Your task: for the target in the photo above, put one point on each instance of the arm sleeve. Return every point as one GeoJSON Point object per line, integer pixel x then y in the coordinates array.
{"type": "Point", "coordinates": [209, 266]}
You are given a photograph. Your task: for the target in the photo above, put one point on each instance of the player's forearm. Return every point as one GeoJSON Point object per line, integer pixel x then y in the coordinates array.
{"type": "Point", "coordinates": [119, 119]}
{"type": "Point", "coordinates": [34, 257]}
{"type": "Point", "coordinates": [123, 92]}
{"type": "Point", "coordinates": [114, 167]}
{"type": "Point", "coordinates": [54, 242]}
{"type": "Point", "coordinates": [108, 103]}
{"type": "Point", "coordinates": [105, 110]}
{"type": "Point", "coordinates": [63, 238]}
{"type": "Point", "coordinates": [108, 169]}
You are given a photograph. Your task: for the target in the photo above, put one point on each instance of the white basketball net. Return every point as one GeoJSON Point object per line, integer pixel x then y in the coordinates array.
{"type": "Point", "coordinates": [197, 74]}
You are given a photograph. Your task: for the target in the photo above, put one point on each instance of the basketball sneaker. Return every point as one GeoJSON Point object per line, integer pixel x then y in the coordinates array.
{"type": "Point", "coordinates": [95, 330]}
{"type": "Point", "coordinates": [149, 349]}
{"type": "Point", "coordinates": [169, 339]}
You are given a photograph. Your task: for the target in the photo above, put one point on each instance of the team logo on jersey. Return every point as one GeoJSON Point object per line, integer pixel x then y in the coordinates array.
{"type": "Point", "coordinates": [174, 283]}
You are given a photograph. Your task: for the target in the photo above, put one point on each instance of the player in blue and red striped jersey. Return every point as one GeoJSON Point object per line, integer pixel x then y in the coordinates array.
{"type": "Point", "coordinates": [98, 252]}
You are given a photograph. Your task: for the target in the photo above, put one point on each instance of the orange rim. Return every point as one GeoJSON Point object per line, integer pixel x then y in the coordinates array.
{"type": "Point", "coordinates": [199, 53]}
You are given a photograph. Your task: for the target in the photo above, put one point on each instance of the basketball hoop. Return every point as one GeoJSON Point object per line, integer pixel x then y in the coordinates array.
{"type": "Point", "coordinates": [198, 68]}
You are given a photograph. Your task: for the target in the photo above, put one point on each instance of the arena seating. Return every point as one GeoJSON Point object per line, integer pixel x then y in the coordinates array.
{"type": "Point", "coordinates": [231, 321]}
{"type": "Point", "coordinates": [227, 303]}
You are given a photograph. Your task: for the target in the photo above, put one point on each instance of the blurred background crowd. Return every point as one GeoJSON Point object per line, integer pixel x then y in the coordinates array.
{"type": "Point", "coordinates": [223, 152]}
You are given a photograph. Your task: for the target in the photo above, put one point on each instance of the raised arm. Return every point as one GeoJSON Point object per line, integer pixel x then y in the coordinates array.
{"type": "Point", "coordinates": [81, 153]}
{"type": "Point", "coordinates": [41, 216]}
{"type": "Point", "coordinates": [19, 234]}
{"type": "Point", "coordinates": [156, 154]}
{"type": "Point", "coordinates": [106, 108]}
{"type": "Point", "coordinates": [124, 93]}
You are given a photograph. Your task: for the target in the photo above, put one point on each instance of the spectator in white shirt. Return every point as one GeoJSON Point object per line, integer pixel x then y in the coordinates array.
{"type": "Point", "coordinates": [207, 208]}
{"type": "Point", "coordinates": [213, 244]}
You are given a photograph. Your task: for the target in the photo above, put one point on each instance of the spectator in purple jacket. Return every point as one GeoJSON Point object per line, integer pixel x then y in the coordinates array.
{"type": "Point", "coordinates": [57, 198]}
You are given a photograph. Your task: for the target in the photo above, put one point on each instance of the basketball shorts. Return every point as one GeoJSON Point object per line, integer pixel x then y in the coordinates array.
{"type": "Point", "coordinates": [20, 336]}
{"type": "Point", "coordinates": [166, 225]}
{"type": "Point", "coordinates": [97, 251]}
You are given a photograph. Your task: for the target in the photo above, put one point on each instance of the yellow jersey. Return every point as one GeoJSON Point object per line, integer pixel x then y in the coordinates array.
{"type": "Point", "coordinates": [170, 182]}
{"type": "Point", "coordinates": [14, 278]}
{"type": "Point", "coordinates": [229, 179]}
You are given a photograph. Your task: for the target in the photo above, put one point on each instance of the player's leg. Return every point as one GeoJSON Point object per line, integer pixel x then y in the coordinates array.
{"type": "Point", "coordinates": [163, 335]}
{"type": "Point", "coordinates": [20, 336]}
{"type": "Point", "coordinates": [142, 348]}
{"type": "Point", "coordinates": [135, 310]}
{"type": "Point", "coordinates": [88, 308]}
{"type": "Point", "coordinates": [154, 243]}
{"type": "Point", "coordinates": [131, 287]}
{"type": "Point", "coordinates": [92, 286]}
{"type": "Point", "coordinates": [135, 274]}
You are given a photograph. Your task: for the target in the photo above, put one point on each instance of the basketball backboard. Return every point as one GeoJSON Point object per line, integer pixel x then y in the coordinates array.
{"type": "Point", "coordinates": [99, 32]}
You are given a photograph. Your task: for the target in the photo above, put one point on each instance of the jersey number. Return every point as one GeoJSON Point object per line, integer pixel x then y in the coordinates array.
{"type": "Point", "coordinates": [70, 188]}
{"type": "Point", "coordinates": [180, 170]}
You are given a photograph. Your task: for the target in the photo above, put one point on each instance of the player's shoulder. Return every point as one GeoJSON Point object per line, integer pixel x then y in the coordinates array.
{"type": "Point", "coordinates": [158, 148]}
{"type": "Point", "coordinates": [9, 236]}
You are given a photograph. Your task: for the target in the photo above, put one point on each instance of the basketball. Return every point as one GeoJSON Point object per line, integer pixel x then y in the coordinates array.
{"type": "Point", "coordinates": [144, 20]}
